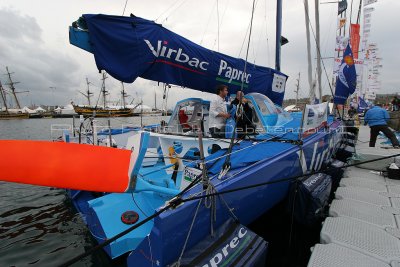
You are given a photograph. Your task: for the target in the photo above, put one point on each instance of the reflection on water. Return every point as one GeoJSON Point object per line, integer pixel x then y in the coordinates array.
{"type": "Point", "coordinates": [38, 225]}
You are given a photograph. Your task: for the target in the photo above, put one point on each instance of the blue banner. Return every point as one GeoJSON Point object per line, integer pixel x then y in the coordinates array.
{"type": "Point", "coordinates": [362, 105]}
{"type": "Point", "coordinates": [131, 47]}
{"type": "Point", "coordinates": [347, 78]}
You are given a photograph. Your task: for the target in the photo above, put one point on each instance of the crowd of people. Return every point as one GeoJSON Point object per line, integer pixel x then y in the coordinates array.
{"type": "Point", "coordinates": [240, 112]}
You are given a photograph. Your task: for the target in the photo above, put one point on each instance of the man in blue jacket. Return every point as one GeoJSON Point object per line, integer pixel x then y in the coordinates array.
{"type": "Point", "coordinates": [376, 118]}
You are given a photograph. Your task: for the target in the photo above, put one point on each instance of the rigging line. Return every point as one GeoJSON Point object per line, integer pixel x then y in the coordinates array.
{"type": "Point", "coordinates": [256, 49]}
{"type": "Point", "coordinates": [97, 102]}
{"type": "Point", "coordinates": [226, 165]}
{"type": "Point", "coordinates": [217, 26]}
{"type": "Point", "coordinates": [319, 52]}
{"type": "Point", "coordinates": [208, 23]}
{"type": "Point", "coordinates": [165, 11]}
{"type": "Point", "coordinates": [266, 32]}
{"type": "Point", "coordinates": [351, 12]}
{"type": "Point", "coordinates": [248, 45]}
{"type": "Point", "coordinates": [286, 179]}
{"type": "Point", "coordinates": [176, 201]}
{"type": "Point", "coordinates": [333, 13]}
{"type": "Point", "coordinates": [126, 2]}
{"type": "Point", "coordinates": [359, 12]}
{"type": "Point", "coordinates": [220, 23]}
{"type": "Point", "coordinates": [166, 18]}
{"type": "Point", "coordinates": [188, 234]}
{"type": "Point", "coordinates": [244, 40]}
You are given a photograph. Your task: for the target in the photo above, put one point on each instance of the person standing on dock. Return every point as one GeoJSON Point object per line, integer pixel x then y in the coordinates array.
{"type": "Point", "coordinates": [377, 118]}
{"type": "Point", "coordinates": [218, 113]}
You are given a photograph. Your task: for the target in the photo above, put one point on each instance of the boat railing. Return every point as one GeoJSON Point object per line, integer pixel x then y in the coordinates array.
{"type": "Point", "coordinates": [57, 130]}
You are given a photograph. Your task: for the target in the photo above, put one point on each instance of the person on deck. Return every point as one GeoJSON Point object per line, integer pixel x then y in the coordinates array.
{"type": "Point", "coordinates": [352, 112]}
{"type": "Point", "coordinates": [218, 113]}
{"type": "Point", "coordinates": [395, 103]}
{"type": "Point", "coordinates": [244, 123]}
{"type": "Point", "coordinates": [377, 118]}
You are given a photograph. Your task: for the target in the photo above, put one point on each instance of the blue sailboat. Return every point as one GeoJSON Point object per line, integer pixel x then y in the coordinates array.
{"type": "Point", "coordinates": [182, 159]}
{"type": "Point", "coordinates": [275, 150]}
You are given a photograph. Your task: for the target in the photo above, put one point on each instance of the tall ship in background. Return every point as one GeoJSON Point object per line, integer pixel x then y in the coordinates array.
{"type": "Point", "coordinates": [7, 112]}
{"type": "Point", "coordinates": [104, 111]}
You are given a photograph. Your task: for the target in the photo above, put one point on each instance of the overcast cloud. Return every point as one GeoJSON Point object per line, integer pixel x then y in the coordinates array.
{"type": "Point", "coordinates": [34, 42]}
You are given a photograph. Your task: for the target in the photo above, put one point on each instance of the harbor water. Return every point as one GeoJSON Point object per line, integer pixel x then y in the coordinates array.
{"type": "Point", "coordinates": [38, 225]}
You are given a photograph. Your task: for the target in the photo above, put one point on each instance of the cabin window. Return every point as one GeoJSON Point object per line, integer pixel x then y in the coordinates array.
{"type": "Point", "coordinates": [187, 118]}
{"type": "Point", "coordinates": [265, 105]}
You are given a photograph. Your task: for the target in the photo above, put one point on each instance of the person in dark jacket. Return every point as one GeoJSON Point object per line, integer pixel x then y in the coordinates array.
{"type": "Point", "coordinates": [352, 112]}
{"type": "Point", "coordinates": [396, 103]}
{"type": "Point", "coordinates": [244, 124]}
{"type": "Point", "coordinates": [377, 118]}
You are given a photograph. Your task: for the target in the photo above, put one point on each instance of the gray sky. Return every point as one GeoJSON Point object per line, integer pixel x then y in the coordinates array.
{"type": "Point", "coordinates": [34, 42]}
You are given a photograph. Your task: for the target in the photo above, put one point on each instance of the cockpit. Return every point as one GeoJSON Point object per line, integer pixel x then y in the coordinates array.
{"type": "Point", "coordinates": [192, 114]}
{"type": "Point", "coordinates": [189, 115]}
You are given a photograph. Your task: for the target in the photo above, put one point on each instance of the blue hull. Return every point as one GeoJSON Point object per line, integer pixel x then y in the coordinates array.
{"type": "Point", "coordinates": [161, 240]}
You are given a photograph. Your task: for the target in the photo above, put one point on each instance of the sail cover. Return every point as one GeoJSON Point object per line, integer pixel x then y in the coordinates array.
{"type": "Point", "coordinates": [131, 47]}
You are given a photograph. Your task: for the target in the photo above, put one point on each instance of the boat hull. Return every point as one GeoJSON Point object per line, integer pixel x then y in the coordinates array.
{"type": "Point", "coordinates": [11, 116]}
{"type": "Point", "coordinates": [172, 227]}
{"type": "Point", "coordinates": [103, 112]}
{"type": "Point", "coordinates": [167, 232]}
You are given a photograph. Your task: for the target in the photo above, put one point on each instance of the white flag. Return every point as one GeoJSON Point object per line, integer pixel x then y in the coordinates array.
{"type": "Point", "coordinates": [367, 20]}
{"type": "Point", "coordinates": [278, 83]}
{"type": "Point", "coordinates": [368, 10]}
{"type": "Point", "coordinates": [368, 2]}
{"type": "Point", "coordinates": [367, 26]}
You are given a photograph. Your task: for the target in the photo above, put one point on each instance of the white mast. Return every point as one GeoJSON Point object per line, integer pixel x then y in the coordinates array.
{"type": "Point", "coordinates": [310, 81]}
{"type": "Point", "coordinates": [319, 72]}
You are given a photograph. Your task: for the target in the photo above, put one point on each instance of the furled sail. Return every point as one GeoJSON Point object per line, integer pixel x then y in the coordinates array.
{"type": "Point", "coordinates": [131, 47]}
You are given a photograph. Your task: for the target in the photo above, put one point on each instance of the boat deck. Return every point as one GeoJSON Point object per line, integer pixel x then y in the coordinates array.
{"type": "Point", "coordinates": [363, 227]}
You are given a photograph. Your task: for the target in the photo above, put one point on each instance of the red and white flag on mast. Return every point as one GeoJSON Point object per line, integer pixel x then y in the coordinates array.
{"type": "Point", "coordinates": [355, 39]}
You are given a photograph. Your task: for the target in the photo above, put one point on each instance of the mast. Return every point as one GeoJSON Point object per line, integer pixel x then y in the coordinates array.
{"type": "Point", "coordinates": [88, 93]}
{"type": "Point", "coordinates": [3, 96]}
{"type": "Point", "coordinates": [319, 71]}
{"type": "Point", "coordinates": [310, 81]}
{"type": "Point", "coordinates": [123, 95]}
{"type": "Point", "coordinates": [297, 90]}
{"type": "Point", "coordinates": [103, 89]}
{"type": "Point", "coordinates": [278, 35]}
{"type": "Point", "coordinates": [12, 87]}
{"type": "Point", "coordinates": [155, 100]}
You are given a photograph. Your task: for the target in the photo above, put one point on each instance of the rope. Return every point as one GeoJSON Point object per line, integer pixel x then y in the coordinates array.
{"type": "Point", "coordinates": [126, 2]}
{"type": "Point", "coordinates": [188, 235]}
{"type": "Point", "coordinates": [292, 178]}
{"type": "Point", "coordinates": [211, 203]}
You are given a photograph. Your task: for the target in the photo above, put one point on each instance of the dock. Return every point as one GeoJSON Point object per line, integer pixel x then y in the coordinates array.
{"type": "Point", "coordinates": [363, 227]}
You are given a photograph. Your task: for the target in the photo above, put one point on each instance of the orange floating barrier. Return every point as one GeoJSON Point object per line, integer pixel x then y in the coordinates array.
{"type": "Point", "coordinates": [65, 165]}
